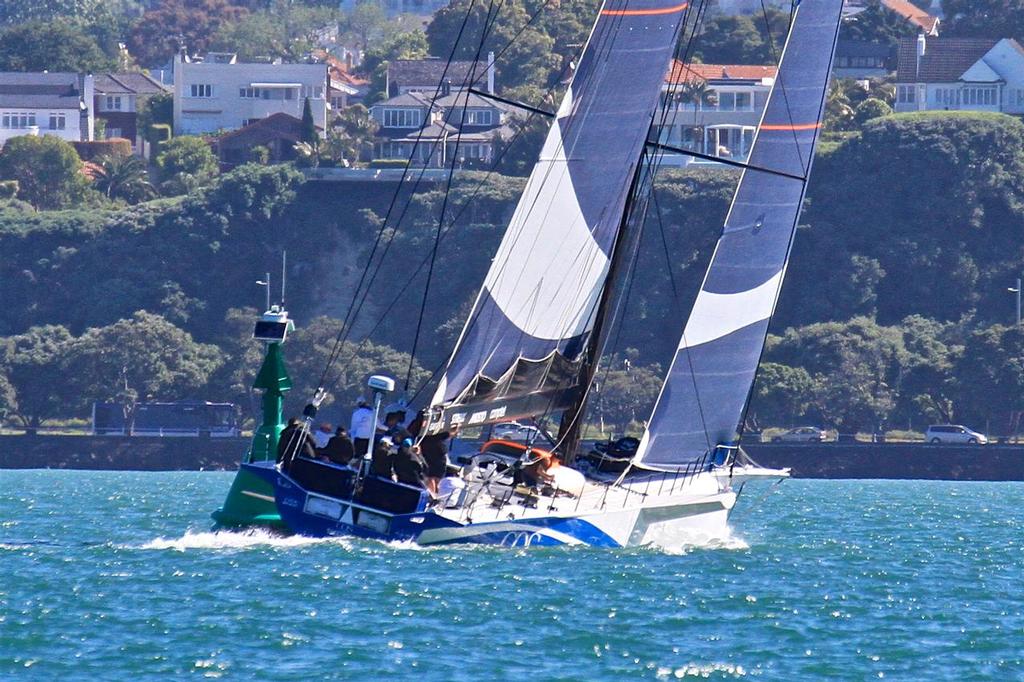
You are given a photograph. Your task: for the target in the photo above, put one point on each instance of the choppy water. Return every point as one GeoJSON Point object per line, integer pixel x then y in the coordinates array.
{"type": "Point", "coordinates": [113, 576]}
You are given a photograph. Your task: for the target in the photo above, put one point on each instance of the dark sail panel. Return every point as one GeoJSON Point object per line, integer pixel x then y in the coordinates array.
{"type": "Point", "coordinates": [540, 297]}
{"type": "Point", "coordinates": [705, 395]}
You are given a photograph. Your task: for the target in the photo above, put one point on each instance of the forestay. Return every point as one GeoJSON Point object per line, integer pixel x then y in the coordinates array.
{"type": "Point", "coordinates": [519, 351]}
{"type": "Point", "coordinates": [703, 401]}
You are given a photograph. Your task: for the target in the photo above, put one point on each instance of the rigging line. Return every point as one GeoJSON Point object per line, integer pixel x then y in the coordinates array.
{"type": "Point", "coordinates": [349, 319]}
{"type": "Point", "coordinates": [725, 161]}
{"type": "Point", "coordinates": [452, 224]}
{"type": "Point", "coordinates": [346, 330]}
{"type": "Point", "coordinates": [598, 48]}
{"type": "Point", "coordinates": [444, 202]}
{"type": "Point", "coordinates": [781, 83]}
{"type": "Point", "coordinates": [513, 103]}
{"type": "Point", "coordinates": [507, 46]}
{"type": "Point", "coordinates": [665, 249]}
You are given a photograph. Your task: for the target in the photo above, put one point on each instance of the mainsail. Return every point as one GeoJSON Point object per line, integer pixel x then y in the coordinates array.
{"type": "Point", "coordinates": [518, 354]}
{"type": "Point", "coordinates": [705, 394]}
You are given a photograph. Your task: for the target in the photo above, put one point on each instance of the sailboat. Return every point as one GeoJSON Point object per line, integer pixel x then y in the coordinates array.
{"type": "Point", "coordinates": [532, 342]}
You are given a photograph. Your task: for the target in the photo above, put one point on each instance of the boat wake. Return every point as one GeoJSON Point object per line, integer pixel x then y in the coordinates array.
{"type": "Point", "coordinates": [680, 544]}
{"type": "Point", "coordinates": [237, 541]}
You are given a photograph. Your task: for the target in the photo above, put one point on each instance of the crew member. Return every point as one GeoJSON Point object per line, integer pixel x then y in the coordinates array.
{"type": "Point", "coordinates": [409, 465]}
{"type": "Point", "coordinates": [538, 471]}
{"type": "Point", "coordinates": [362, 427]}
{"type": "Point", "coordinates": [381, 464]}
{"type": "Point", "coordinates": [295, 441]}
{"type": "Point", "coordinates": [434, 448]}
{"type": "Point", "coordinates": [339, 448]}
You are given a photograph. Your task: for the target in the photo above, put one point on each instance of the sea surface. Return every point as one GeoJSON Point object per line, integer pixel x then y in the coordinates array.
{"type": "Point", "coordinates": [115, 576]}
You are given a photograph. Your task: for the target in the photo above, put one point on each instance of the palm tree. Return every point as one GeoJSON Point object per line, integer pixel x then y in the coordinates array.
{"type": "Point", "coordinates": [122, 176]}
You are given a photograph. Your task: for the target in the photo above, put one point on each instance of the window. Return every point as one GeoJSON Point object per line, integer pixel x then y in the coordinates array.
{"type": "Point", "coordinates": [402, 118]}
{"type": "Point", "coordinates": [201, 90]}
{"type": "Point", "coordinates": [113, 132]}
{"type": "Point", "coordinates": [18, 120]}
{"type": "Point", "coordinates": [57, 122]}
{"type": "Point", "coordinates": [113, 103]}
{"type": "Point", "coordinates": [905, 94]}
{"type": "Point", "coordinates": [945, 96]}
{"type": "Point", "coordinates": [289, 93]}
{"type": "Point", "coordinates": [980, 96]}
{"type": "Point", "coordinates": [249, 121]}
{"type": "Point", "coordinates": [478, 117]}
{"type": "Point", "coordinates": [250, 93]}
{"type": "Point", "coordinates": [313, 91]}
{"type": "Point", "coordinates": [735, 101]}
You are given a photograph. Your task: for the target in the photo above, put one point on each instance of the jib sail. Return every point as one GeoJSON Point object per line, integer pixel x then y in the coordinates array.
{"type": "Point", "coordinates": [703, 401]}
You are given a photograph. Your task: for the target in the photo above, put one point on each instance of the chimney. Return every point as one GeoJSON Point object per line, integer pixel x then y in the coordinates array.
{"type": "Point", "coordinates": [348, 61]}
{"type": "Point", "coordinates": [490, 72]}
{"type": "Point", "coordinates": [446, 87]}
{"type": "Point", "coordinates": [922, 47]}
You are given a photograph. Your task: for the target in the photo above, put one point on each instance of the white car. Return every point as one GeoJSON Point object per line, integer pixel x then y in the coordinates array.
{"type": "Point", "coordinates": [803, 434]}
{"type": "Point", "coordinates": [953, 433]}
{"type": "Point", "coordinates": [515, 431]}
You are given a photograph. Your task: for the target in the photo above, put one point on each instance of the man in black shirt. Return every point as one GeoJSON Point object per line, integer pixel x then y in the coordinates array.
{"type": "Point", "coordinates": [339, 448]}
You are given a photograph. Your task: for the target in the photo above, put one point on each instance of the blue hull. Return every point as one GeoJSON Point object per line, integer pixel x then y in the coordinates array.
{"type": "Point", "coordinates": [317, 513]}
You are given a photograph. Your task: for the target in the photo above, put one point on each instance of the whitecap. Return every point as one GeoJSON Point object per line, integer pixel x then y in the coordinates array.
{"type": "Point", "coordinates": [237, 540]}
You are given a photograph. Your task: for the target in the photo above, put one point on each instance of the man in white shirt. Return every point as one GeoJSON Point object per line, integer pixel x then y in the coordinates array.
{"type": "Point", "coordinates": [362, 427]}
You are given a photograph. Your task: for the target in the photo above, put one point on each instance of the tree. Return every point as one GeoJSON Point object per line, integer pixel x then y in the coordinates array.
{"type": "Point", "coordinates": [48, 170]}
{"type": "Point", "coordinates": [398, 45]}
{"type": "Point", "coordinates": [122, 176]}
{"type": "Point", "coordinates": [366, 22]}
{"type": "Point", "coordinates": [351, 137]}
{"type": "Point", "coordinates": [782, 394]}
{"type": "Point", "coordinates": [143, 357]}
{"type": "Point", "coordinates": [530, 57]}
{"type": "Point", "coordinates": [983, 18]}
{"type": "Point", "coordinates": [155, 110]}
{"type": "Point", "coordinates": [33, 364]}
{"type": "Point", "coordinates": [308, 352]}
{"type": "Point", "coordinates": [282, 30]}
{"type": "Point", "coordinates": [8, 397]}
{"type": "Point", "coordinates": [308, 134]}
{"type": "Point", "coordinates": [625, 391]}
{"type": "Point", "coordinates": [989, 375]}
{"type": "Point", "coordinates": [871, 108]}
{"type": "Point", "coordinates": [159, 33]}
{"type": "Point", "coordinates": [186, 163]}
{"type": "Point", "coordinates": [756, 39]}
{"type": "Point", "coordinates": [52, 46]}
{"type": "Point", "coordinates": [877, 24]}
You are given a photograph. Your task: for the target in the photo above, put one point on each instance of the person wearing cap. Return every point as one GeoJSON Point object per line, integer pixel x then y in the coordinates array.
{"type": "Point", "coordinates": [339, 449]}
{"type": "Point", "coordinates": [408, 463]}
{"type": "Point", "coordinates": [362, 427]}
{"type": "Point", "coordinates": [382, 462]}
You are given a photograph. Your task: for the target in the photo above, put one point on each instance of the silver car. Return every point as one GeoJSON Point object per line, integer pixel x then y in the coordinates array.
{"type": "Point", "coordinates": [953, 433]}
{"type": "Point", "coordinates": [803, 434]}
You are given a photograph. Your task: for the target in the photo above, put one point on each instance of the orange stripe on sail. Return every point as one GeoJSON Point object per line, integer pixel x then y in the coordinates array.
{"type": "Point", "coordinates": [797, 126]}
{"type": "Point", "coordinates": [644, 12]}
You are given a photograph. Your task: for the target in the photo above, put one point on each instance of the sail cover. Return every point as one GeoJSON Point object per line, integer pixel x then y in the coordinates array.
{"type": "Point", "coordinates": [518, 353]}
{"type": "Point", "coordinates": [705, 394]}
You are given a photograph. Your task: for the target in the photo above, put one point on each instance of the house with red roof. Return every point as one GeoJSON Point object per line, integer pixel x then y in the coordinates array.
{"type": "Point", "coordinates": [712, 109]}
{"type": "Point", "coordinates": [960, 74]}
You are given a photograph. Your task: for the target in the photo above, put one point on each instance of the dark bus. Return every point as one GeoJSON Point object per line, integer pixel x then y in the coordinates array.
{"type": "Point", "coordinates": [183, 418]}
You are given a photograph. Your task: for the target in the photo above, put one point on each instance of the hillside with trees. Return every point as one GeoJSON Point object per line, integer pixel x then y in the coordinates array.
{"type": "Point", "coordinates": [895, 312]}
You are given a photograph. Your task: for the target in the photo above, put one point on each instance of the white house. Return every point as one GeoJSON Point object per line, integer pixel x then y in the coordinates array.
{"type": "Point", "coordinates": [221, 94]}
{"type": "Point", "coordinates": [712, 109]}
{"type": "Point", "coordinates": [58, 104]}
{"type": "Point", "coordinates": [972, 74]}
